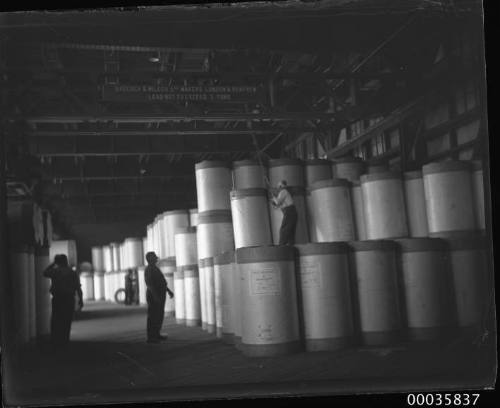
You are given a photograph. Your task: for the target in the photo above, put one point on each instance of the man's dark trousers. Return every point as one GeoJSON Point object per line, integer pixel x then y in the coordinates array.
{"type": "Point", "coordinates": [156, 313]}
{"type": "Point", "coordinates": [288, 225]}
{"type": "Point", "coordinates": [63, 306]}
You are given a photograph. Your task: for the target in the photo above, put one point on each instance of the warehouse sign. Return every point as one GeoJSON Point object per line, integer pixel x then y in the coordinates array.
{"type": "Point", "coordinates": [179, 93]}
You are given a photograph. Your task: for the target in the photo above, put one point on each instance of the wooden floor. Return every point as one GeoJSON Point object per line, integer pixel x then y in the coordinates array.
{"type": "Point", "coordinates": [108, 360]}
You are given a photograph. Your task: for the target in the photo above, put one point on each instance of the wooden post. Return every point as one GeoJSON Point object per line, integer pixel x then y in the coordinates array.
{"type": "Point", "coordinates": [404, 146]}
{"type": "Point", "coordinates": [272, 93]}
{"type": "Point", "coordinates": [6, 301]}
{"type": "Point", "coordinates": [353, 92]}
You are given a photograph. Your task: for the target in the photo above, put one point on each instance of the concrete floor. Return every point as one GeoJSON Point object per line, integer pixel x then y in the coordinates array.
{"type": "Point", "coordinates": [109, 361]}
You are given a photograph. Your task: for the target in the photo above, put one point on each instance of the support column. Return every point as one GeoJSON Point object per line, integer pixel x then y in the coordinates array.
{"type": "Point", "coordinates": [6, 301]}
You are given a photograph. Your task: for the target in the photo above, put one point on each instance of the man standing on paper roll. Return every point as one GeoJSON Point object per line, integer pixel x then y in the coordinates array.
{"type": "Point", "coordinates": [284, 201]}
{"type": "Point", "coordinates": [157, 288]}
{"type": "Point", "coordinates": [65, 285]}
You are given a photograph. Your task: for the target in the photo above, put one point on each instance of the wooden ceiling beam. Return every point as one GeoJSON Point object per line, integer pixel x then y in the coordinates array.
{"type": "Point", "coordinates": [118, 132]}
{"type": "Point", "coordinates": [230, 75]}
{"type": "Point", "coordinates": [215, 117]}
{"type": "Point", "coordinates": [141, 153]}
{"type": "Point", "coordinates": [115, 177]}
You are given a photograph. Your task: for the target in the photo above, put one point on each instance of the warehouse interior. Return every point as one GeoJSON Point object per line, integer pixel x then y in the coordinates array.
{"type": "Point", "coordinates": [168, 129]}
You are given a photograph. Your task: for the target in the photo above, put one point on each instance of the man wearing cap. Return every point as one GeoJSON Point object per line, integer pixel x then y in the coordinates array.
{"type": "Point", "coordinates": [157, 287]}
{"type": "Point", "coordinates": [284, 201]}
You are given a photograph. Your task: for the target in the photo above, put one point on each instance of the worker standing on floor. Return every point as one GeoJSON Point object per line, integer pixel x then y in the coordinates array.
{"type": "Point", "coordinates": [130, 287]}
{"type": "Point", "coordinates": [157, 288]}
{"type": "Point", "coordinates": [284, 201]}
{"type": "Point", "coordinates": [65, 286]}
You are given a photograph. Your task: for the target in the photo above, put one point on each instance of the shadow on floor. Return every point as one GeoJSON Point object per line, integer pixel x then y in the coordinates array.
{"type": "Point", "coordinates": [94, 312]}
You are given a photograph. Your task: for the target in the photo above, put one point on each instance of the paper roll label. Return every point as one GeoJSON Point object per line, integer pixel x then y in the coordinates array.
{"type": "Point", "coordinates": [310, 274]}
{"type": "Point", "coordinates": [265, 333]}
{"type": "Point", "coordinates": [225, 316]}
{"type": "Point", "coordinates": [265, 282]}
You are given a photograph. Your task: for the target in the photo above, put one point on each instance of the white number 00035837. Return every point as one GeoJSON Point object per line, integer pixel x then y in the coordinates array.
{"type": "Point", "coordinates": [455, 399]}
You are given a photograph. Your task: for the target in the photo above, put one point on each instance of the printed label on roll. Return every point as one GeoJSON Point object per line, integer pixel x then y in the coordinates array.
{"type": "Point", "coordinates": [310, 274]}
{"type": "Point", "coordinates": [225, 316]}
{"type": "Point", "coordinates": [265, 282]}
{"type": "Point", "coordinates": [265, 333]}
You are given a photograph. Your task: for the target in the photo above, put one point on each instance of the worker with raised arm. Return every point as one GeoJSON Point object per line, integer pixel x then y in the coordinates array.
{"type": "Point", "coordinates": [284, 201]}
{"type": "Point", "coordinates": [65, 285]}
{"type": "Point", "coordinates": [157, 288]}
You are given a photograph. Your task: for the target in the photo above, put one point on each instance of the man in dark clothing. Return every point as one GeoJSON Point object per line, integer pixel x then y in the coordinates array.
{"type": "Point", "coordinates": [284, 201]}
{"type": "Point", "coordinates": [129, 287]}
{"type": "Point", "coordinates": [157, 287]}
{"type": "Point", "coordinates": [135, 287]}
{"type": "Point", "coordinates": [65, 284]}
